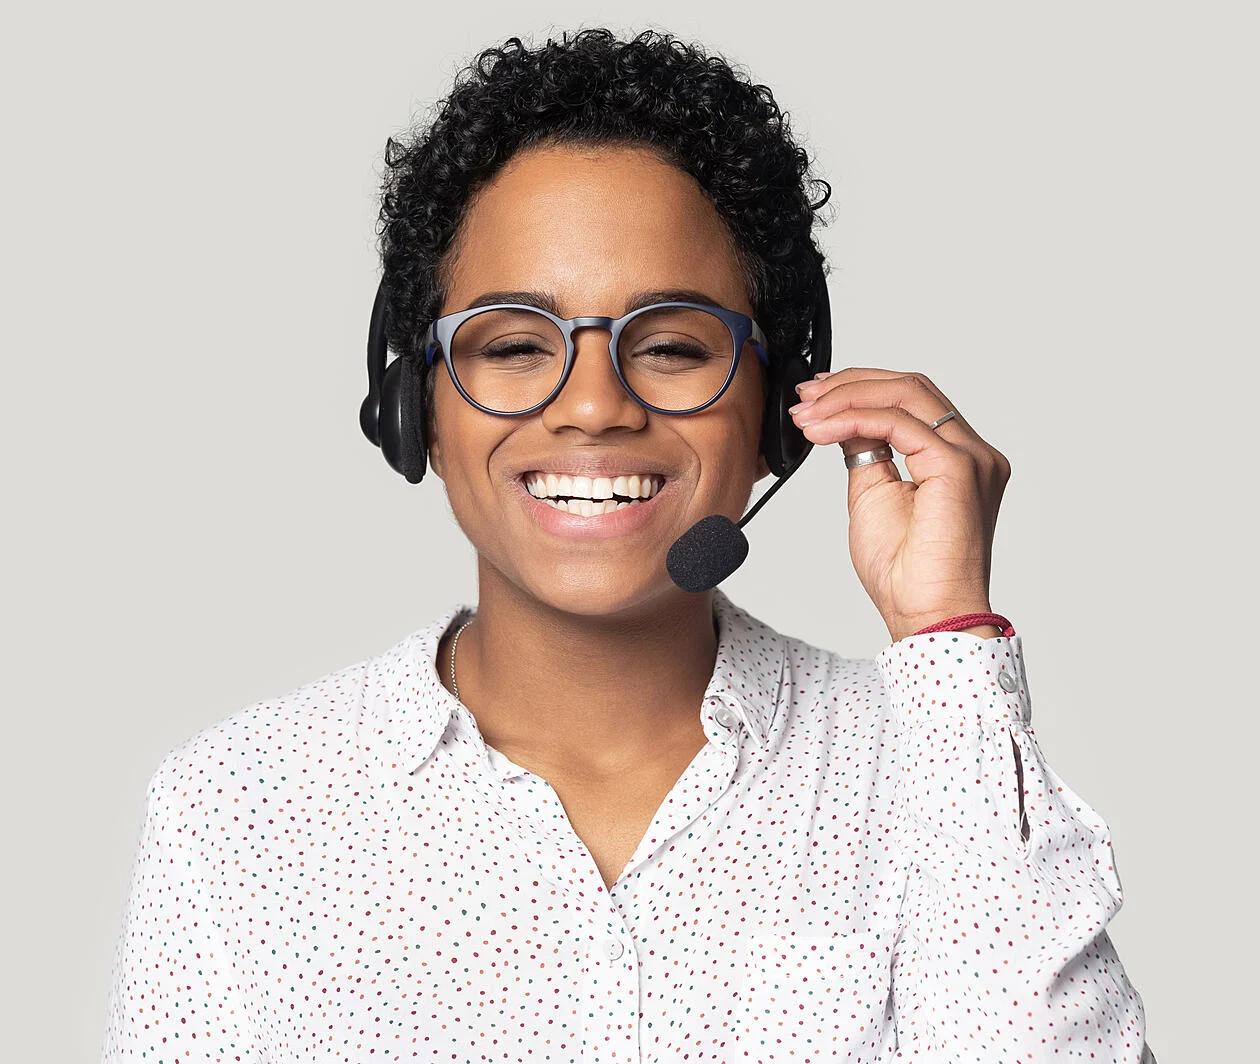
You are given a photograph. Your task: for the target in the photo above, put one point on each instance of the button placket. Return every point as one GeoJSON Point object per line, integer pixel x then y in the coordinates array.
{"type": "Point", "coordinates": [612, 987]}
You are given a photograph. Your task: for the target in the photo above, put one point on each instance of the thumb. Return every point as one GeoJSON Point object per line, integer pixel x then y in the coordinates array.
{"type": "Point", "coordinates": [863, 478]}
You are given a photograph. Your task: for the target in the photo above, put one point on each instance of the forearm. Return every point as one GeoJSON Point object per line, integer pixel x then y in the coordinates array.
{"type": "Point", "coordinates": [1010, 875]}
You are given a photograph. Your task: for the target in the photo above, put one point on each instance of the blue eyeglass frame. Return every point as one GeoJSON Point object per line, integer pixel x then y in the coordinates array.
{"type": "Point", "coordinates": [742, 328]}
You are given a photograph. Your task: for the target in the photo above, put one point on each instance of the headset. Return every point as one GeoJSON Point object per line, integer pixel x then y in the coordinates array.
{"type": "Point", "coordinates": [391, 416]}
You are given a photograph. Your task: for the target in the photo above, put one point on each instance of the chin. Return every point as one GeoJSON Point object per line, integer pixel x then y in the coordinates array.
{"type": "Point", "coordinates": [600, 590]}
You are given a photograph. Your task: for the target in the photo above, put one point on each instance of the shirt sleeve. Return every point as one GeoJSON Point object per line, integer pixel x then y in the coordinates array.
{"type": "Point", "coordinates": [174, 995]}
{"type": "Point", "coordinates": [1002, 951]}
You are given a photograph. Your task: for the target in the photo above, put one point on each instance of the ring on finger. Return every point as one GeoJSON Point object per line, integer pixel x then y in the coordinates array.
{"type": "Point", "coordinates": [879, 454]}
{"type": "Point", "coordinates": [884, 453]}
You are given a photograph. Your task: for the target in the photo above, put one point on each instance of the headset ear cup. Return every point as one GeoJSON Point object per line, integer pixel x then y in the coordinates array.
{"type": "Point", "coordinates": [402, 443]}
{"type": "Point", "coordinates": [413, 424]}
{"type": "Point", "coordinates": [820, 332]}
{"type": "Point", "coordinates": [782, 442]}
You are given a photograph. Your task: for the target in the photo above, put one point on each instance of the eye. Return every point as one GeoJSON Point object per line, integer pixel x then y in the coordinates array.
{"type": "Point", "coordinates": [673, 348]}
{"type": "Point", "coordinates": [672, 339]}
{"type": "Point", "coordinates": [670, 355]}
{"type": "Point", "coordinates": [513, 349]}
{"type": "Point", "coordinates": [510, 336]}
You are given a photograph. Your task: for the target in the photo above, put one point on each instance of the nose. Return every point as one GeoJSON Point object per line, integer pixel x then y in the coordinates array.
{"type": "Point", "coordinates": [593, 399]}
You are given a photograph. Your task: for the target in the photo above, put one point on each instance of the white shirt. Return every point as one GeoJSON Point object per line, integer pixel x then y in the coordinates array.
{"type": "Point", "coordinates": [349, 873]}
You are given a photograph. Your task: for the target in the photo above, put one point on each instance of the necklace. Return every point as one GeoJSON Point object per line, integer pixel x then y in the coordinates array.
{"type": "Point", "coordinates": [454, 644]}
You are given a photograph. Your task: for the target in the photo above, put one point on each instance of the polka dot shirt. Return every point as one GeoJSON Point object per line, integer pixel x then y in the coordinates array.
{"type": "Point", "coordinates": [869, 860]}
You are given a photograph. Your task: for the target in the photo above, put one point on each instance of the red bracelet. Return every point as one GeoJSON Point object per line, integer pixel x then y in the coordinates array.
{"type": "Point", "coordinates": [970, 620]}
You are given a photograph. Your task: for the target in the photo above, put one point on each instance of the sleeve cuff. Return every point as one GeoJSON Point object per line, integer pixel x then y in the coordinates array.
{"type": "Point", "coordinates": [953, 674]}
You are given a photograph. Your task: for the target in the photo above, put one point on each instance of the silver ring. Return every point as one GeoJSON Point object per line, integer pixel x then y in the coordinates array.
{"type": "Point", "coordinates": [884, 453]}
{"type": "Point", "coordinates": [879, 454]}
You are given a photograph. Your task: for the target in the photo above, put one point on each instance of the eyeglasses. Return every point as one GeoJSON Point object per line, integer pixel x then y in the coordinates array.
{"type": "Point", "coordinates": [513, 358]}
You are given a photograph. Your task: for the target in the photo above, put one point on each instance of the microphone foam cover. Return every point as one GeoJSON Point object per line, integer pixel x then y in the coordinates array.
{"type": "Point", "coordinates": [707, 553]}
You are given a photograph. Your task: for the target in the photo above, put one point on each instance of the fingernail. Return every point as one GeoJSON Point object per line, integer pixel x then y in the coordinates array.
{"type": "Point", "coordinates": [824, 373]}
{"type": "Point", "coordinates": [800, 406]}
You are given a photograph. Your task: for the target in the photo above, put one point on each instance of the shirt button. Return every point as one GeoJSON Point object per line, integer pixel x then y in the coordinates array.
{"type": "Point", "coordinates": [613, 948]}
{"type": "Point", "coordinates": [1008, 682]}
{"type": "Point", "coordinates": [726, 717]}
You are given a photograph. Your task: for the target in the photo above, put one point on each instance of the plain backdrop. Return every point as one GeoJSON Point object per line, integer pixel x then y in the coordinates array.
{"type": "Point", "coordinates": [1048, 209]}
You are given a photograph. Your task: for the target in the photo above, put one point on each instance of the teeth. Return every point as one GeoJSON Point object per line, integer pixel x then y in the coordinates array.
{"type": "Point", "coordinates": [588, 507]}
{"type": "Point", "coordinates": [550, 486]}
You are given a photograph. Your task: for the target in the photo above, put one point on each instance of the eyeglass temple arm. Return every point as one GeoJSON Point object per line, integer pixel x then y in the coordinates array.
{"type": "Point", "coordinates": [758, 340]}
{"type": "Point", "coordinates": [430, 346]}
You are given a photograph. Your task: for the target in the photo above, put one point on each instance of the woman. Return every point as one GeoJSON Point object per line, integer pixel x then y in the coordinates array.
{"type": "Point", "coordinates": [599, 817]}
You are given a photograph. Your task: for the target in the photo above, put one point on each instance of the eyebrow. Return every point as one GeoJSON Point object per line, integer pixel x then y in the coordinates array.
{"type": "Point", "coordinates": [642, 298]}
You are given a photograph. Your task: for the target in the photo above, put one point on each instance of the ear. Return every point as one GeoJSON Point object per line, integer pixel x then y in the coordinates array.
{"type": "Point", "coordinates": [763, 467]}
{"type": "Point", "coordinates": [434, 446]}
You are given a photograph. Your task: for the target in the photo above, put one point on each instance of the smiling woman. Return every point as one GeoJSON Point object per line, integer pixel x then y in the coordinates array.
{"type": "Point", "coordinates": [644, 224]}
{"type": "Point", "coordinates": [597, 816]}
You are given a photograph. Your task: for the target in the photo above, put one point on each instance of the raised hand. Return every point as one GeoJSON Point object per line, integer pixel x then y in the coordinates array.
{"type": "Point", "coordinates": [921, 548]}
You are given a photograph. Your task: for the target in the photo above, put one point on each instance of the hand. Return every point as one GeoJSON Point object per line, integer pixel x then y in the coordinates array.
{"type": "Point", "coordinates": [922, 548]}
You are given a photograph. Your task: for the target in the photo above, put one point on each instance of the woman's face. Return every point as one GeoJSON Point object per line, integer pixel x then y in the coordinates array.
{"type": "Point", "coordinates": [589, 229]}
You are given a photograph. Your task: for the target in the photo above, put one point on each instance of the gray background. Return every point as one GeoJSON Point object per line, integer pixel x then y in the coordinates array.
{"type": "Point", "coordinates": [1051, 211]}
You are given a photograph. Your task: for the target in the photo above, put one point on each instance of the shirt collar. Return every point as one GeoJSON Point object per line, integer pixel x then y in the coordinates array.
{"type": "Point", "coordinates": [411, 708]}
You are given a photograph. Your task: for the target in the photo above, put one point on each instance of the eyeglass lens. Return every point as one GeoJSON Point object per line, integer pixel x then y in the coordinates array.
{"type": "Point", "coordinates": [674, 358]}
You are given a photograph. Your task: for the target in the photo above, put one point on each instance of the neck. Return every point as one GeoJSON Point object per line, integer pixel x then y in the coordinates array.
{"type": "Point", "coordinates": [592, 692]}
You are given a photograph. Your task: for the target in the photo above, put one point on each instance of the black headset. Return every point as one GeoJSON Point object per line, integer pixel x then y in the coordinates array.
{"type": "Point", "coordinates": [392, 417]}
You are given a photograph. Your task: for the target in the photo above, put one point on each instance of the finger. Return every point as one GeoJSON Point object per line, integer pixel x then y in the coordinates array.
{"type": "Point", "coordinates": [910, 393]}
{"type": "Point", "coordinates": [825, 382]}
{"type": "Point", "coordinates": [927, 454]}
{"type": "Point", "coordinates": [864, 477]}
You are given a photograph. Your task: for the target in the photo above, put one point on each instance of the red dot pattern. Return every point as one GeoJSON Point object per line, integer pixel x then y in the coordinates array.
{"type": "Point", "coordinates": [870, 860]}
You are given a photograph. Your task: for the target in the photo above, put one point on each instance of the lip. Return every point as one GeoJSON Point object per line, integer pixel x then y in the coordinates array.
{"type": "Point", "coordinates": [599, 526]}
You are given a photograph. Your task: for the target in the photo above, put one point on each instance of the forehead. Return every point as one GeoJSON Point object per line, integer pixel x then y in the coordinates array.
{"type": "Point", "coordinates": [591, 224]}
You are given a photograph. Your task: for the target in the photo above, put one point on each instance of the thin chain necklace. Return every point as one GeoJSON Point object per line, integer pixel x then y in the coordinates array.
{"type": "Point", "coordinates": [454, 644]}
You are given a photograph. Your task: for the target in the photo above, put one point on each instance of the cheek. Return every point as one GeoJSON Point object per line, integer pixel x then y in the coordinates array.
{"type": "Point", "coordinates": [748, 406]}
{"type": "Point", "coordinates": [729, 441]}
{"type": "Point", "coordinates": [460, 438]}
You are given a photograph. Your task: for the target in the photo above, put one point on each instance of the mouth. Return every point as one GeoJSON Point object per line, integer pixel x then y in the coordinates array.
{"type": "Point", "coordinates": [592, 496]}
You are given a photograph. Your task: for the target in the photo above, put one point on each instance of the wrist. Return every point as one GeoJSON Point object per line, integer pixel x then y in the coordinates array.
{"type": "Point", "coordinates": [984, 624]}
{"type": "Point", "coordinates": [984, 631]}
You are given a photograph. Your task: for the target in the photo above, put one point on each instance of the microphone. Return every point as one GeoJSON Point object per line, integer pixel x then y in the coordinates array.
{"type": "Point", "coordinates": [714, 547]}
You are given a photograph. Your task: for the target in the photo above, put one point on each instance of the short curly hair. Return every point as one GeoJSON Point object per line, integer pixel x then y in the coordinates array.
{"type": "Point", "coordinates": [591, 88]}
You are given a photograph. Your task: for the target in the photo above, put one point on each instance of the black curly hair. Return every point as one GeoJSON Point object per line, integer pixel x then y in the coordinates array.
{"type": "Point", "coordinates": [591, 88]}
